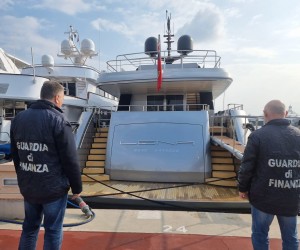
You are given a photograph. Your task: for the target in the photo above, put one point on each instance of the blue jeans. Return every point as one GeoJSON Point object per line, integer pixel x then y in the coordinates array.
{"type": "Point", "coordinates": [260, 229]}
{"type": "Point", "coordinates": [53, 221]}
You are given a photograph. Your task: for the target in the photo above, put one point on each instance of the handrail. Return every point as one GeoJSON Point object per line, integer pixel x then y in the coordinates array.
{"type": "Point", "coordinates": [235, 106]}
{"type": "Point", "coordinates": [144, 108]}
{"type": "Point", "coordinates": [231, 117]}
{"type": "Point", "coordinates": [204, 58]}
{"type": "Point", "coordinates": [86, 129]}
{"type": "Point", "coordinates": [149, 108]}
{"type": "Point", "coordinates": [69, 65]}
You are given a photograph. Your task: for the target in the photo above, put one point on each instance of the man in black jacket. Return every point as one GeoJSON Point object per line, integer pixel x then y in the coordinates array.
{"type": "Point", "coordinates": [270, 177]}
{"type": "Point", "coordinates": [44, 154]}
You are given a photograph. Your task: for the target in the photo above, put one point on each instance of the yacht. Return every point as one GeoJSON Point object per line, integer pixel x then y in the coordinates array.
{"type": "Point", "coordinates": [165, 146]}
{"type": "Point", "coordinates": [293, 117]}
{"type": "Point", "coordinates": [20, 85]}
{"type": "Point", "coordinates": [257, 122]}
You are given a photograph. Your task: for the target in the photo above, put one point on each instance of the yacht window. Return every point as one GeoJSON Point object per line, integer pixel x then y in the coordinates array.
{"type": "Point", "coordinates": [174, 102]}
{"type": "Point", "coordinates": [10, 108]}
{"type": "Point", "coordinates": [9, 113]}
{"type": "Point", "coordinates": [155, 103]}
{"type": "Point", "coordinates": [165, 103]}
{"type": "Point", "coordinates": [70, 88]}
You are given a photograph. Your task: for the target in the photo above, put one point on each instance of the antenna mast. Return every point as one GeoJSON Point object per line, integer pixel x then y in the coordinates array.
{"type": "Point", "coordinates": [70, 48]}
{"type": "Point", "coordinates": [168, 34]}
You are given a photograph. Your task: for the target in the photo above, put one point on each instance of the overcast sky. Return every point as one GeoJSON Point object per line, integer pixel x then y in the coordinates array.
{"type": "Point", "coordinates": [258, 40]}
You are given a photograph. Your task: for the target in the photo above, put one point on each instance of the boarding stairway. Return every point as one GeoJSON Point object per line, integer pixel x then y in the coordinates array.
{"type": "Point", "coordinates": [95, 164]}
{"type": "Point", "coordinates": [226, 156]}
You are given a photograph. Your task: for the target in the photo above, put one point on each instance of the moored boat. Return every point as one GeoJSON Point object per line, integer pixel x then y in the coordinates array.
{"type": "Point", "coordinates": [165, 147]}
{"type": "Point", "coordinates": [20, 85]}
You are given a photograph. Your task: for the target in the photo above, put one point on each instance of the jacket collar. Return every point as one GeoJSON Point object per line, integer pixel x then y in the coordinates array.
{"type": "Point", "coordinates": [44, 104]}
{"type": "Point", "coordinates": [279, 122]}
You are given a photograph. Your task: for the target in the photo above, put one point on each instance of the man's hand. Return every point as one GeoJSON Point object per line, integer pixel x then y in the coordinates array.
{"type": "Point", "coordinates": [244, 195]}
{"type": "Point", "coordinates": [74, 196]}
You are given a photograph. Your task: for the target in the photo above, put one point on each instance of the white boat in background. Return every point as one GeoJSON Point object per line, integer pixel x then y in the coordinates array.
{"type": "Point", "coordinates": [258, 121]}
{"type": "Point", "coordinates": [293, 117]}
{"type": "Point", "coordinates": [20, 84]}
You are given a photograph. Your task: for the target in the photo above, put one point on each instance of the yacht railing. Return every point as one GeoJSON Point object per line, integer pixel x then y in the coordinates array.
{"type": "Point", "coordinates": [235, 106]}
{"type": "Point", "coordinates": [87, 127]}
{"type": "Point", "coordinates": [250, 122]}
{"type": "Point", "coordinates": [225, 126]}
{"type": "Point", "coordinates": [150, 108]}
{"type": "Point", "coordinates": [66, 65]}
{"type": "Point", "coordinates": [134, 61]}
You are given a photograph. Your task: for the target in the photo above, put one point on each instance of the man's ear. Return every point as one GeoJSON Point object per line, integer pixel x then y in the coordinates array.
{"type": "Point", "coordinates": [56, 99]}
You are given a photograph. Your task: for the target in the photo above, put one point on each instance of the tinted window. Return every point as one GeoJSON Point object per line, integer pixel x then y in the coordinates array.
{"type": "Point", "coordinates": [155, 103]}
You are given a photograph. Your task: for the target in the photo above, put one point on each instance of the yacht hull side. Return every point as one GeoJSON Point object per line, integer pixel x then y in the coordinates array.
{"type": "Point", "coordinates": [158, 146]}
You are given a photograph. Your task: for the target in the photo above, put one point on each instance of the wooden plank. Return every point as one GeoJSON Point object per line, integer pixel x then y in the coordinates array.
{"type": "Point", "coordinates": [217, 148]}
{"type": "Point", "coordinates": [221, 154]}
{"type": "Point", "coordinates": [223, 167]}
{"type": "Point", "coordinates": [96, 140]}
{"type": "Point", "coordinates": [95, 157]}
{"type": "Point", "coordinates": [222, 160]}
{"type": "Point", "coordinates": [223, 174]}
{"type": "Point", "coordinates": [95, 164]}
{"type": "Point", "coordinates": [231, 142]}
{"type": "Point", "coordinates": [99, 145]}
{"type": "Point", "coordinates": [167, 191]}
{"type": "Point", "coordinates": [102, 134]}
{"type": "Point", "coordinates": [90, 170]}
{"type": "Point", "coordinates": [98, 151]}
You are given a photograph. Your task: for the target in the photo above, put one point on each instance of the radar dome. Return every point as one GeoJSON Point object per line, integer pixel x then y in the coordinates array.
{"type": "Point", "coordinates": [151, 46]}
{"type": "Point", "coordinates": [47, 61]}
{"type": "Point", "coordinates": [185, 45]}
{"type": "Point", "coordinates": [87, 47]}
{"type": "Point", "coordinates": [66, 47]}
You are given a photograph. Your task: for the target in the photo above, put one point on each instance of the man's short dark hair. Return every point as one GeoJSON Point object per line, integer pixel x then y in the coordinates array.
{"type": "Point", "coordinates": [50, 89]}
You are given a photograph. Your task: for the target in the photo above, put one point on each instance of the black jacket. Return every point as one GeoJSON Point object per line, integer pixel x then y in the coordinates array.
{"type": "Point", "coordinates": [270, 169]}
{"type": "Point", "coordinates": [44, 153]}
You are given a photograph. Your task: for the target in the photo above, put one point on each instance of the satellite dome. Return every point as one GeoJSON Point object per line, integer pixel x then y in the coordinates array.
{"type": "Point", "coordinates": [47, 61]}
{"type": "Point", "coordinates": [87, 47]}
{"type": "Point", "coordinates": [151, 46]}
{"type": "Point", "coordinates": [66, 47]}
{"type": "Point", "coordinates": [185, 45]}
